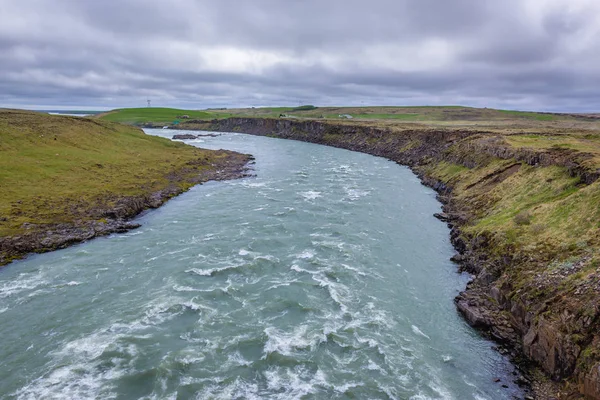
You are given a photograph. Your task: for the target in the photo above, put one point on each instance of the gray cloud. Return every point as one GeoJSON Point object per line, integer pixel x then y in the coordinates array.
{"type": "Point", "coordinates": [533, 54]}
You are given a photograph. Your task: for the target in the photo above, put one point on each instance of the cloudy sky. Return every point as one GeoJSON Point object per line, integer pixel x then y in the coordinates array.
{"type": "Point", "coordinates": [98, 54]}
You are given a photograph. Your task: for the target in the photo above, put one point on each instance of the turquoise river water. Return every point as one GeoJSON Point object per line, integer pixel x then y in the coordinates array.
{"type": "Point", "coordinates": [325, 276]}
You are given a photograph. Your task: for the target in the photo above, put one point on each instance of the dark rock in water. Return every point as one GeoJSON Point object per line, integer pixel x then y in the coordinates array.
{"type": "Point", "coordinates": [522, 381]}
{"type": "Point", "coordinates": [184, 136]}
{"type": "Point", "coordinates": [457, 258]}
{"type": "Point", "coordinates": [442, 217]}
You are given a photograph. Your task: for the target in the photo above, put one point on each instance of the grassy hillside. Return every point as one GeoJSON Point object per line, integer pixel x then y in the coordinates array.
{"type": "Point", "coordinates": [139, 116]}
{"type": "Point", "coordinates": [61, 169]}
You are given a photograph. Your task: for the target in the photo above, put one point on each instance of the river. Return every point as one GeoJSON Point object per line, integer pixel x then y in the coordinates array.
{"type": "Point", "coordinates": [325, 276]}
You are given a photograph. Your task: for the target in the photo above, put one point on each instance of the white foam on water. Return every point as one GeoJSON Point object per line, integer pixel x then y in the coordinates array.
{"type": "Point", "coordinates": [305, 255]}
{"type": "Point", "coordinates": [88, 347]}
{"type": "Point", "coordinates": [341, 168]}
{"type": "Point", "coordinates": [310, 195]}
{"type": "Point", "coordinates": [211, 271]}
{"type": "Point", "coordinates": [75, 381]}
{"type": "Point", "coordinates": [419, 332]}
{"type": "Point", "coordinates": [268, 257]}
{"type": "Point", "coordinates": [441, 390]}
{"type": "Point", "coordinates": [355, 194]}
{"type": "Point", "coordinates": [161, 312]}
{"type": "Point", "coordinates": [236, 359]}
{"type": "Point", "coordinates": [172, 396]}
{"type": "Point", "coordinates": [22, 283]}
{"type": "Point", "coordinates": [349, 268]}
{"type": "Point", "coordinates": [191, 359]}
{"type": "Point", "coordinates": [285, 343]}
{"type": "Point", "coordinates": [372, 366]}
{"type": "Point", "coordinates": [329, 244]}
{"type": "Point", "coordinates": [289, 384]}
{"type": "Point", "coordinates": [390, 392]}
{"type": "Point", "coordinates": [250, 184]}
{"type": "Point", "coordinates": [239, 389]}
{"type": "Point", "coordinates": [75, 371]}
{"type": "Point", "coordinates": [170, 253]}
{"type": "Point", "coordinates": [337, 292]}
{"type": "Point", "coordinates": [347, 386]}
{"type": "Point", "coordinates": [131, 233]}
{"type": "Point", "coordinates": [3, 310]}
{"type": "Point", "coordinates": [372, 343]}
{"type": "Point", "coordinates": [178, 288]}
{"type": "Point", "coordinates": [296, 268]}
{"type": "Point", "coordinates": [280, 284]}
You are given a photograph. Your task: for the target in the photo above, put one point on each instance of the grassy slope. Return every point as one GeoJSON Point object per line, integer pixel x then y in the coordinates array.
{"type": "Point", "coordinates": [548, 224]}
{"type": "Point", "coordinates": [53, 168]}
{"type": "Point", "coordinates": [137, 116]}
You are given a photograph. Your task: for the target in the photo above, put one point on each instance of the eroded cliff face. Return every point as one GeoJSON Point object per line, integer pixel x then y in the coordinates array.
{"type": "Point", "coordinates": [516, 221]}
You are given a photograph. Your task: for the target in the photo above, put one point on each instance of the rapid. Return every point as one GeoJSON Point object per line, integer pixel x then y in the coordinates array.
{"type": "Point", "coordinates": [324, 276]}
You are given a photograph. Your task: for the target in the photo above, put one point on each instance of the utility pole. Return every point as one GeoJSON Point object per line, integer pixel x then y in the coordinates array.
{"type": "Point", "coordinates": [149, 103]}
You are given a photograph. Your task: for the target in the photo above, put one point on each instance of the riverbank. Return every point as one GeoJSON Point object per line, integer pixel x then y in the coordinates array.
{"type": "Point", "coordinates": [68, 179]}
{"type": "Point", "coordinates": [524, 222]}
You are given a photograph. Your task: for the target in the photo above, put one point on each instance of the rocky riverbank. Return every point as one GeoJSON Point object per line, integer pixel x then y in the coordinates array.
{"type": "Point", "coordinates": [523, 221]}
{"type": "Point", "coordinates": [113, 213]}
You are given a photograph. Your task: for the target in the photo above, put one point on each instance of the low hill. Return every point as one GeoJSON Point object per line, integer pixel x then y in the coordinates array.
{"type": "Point", "coordinates": [157, 115]}
{"type": "Point", "coordinates": [65, 179]}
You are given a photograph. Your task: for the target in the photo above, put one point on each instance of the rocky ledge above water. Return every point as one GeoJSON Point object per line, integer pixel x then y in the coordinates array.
{"type": "Point", "coordinates": [189, 136]}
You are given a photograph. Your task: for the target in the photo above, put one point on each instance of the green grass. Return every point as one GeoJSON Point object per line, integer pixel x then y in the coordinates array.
{"type": "Point", "coordinates": [584, 143]}
{"type": "Point", "coordinates": [529, 115]}
{"type": "Point", "coordinates": [53, 169]}
{"type": "Point", "coordinates": [412, 117]}
{"type": "Point", "coordinates": [138, 116]}
{"type": "Point", "coordinates": [559, 211]}
{"type": "Point", "coordinates": [446, 172]}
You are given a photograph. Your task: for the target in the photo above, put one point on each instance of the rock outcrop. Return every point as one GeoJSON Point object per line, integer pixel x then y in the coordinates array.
{"type": "Point", "coordinates": [184, 136]}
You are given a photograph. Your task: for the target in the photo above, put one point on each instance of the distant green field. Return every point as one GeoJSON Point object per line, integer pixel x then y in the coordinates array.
{"type": "Point", "coordinates": [533, 115]}
{"type": "Point", "coordinates": [409, 117]}
{"type": "Point", "coordinates": [138, 116]}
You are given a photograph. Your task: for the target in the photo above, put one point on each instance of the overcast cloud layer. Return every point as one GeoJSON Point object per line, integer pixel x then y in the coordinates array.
{"type": "Point", "coordinates": [519, 54]}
